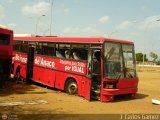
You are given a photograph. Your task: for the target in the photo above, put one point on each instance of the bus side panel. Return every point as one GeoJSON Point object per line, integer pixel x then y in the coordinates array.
{"type": "Point", "coordinates": [60, 80]}
{"type": "Point", "coordinates": [38, 74]}
{"type": "Point", "coordinates": [20, 60]}
{"type": "Point", "coordinates": [15, 67]}
{"type": "Point", "coordinates": [83, 83]}
{"type": "Point", "coordinates": [86, 88]}
{"type": "Point", "coordinates": [44, 76]}
{"type": "Point", "coordinates": [49, 77]}
{"type": "Point", "coordinates": [23, 70]}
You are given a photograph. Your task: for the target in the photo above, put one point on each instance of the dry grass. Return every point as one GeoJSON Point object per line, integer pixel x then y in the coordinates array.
{"type": "Point", "coordinates": [59, 102]}
{"type": "Point", "coordinates": [148, 69]}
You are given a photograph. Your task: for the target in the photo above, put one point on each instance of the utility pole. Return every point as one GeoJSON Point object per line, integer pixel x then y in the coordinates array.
{"type": "Point", "coordinates": [51, 1]}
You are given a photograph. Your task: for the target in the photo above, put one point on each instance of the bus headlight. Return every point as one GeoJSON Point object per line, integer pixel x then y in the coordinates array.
{"type": "Point", "coordinates": [109, 85]}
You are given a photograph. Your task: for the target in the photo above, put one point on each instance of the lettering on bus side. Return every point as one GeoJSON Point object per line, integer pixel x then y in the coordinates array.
{"type": "Point", "coordinates": [20, 58]}
{"type": "Point", "coordinates": [40, 61]}
{"type": "Point", "coordinates": [64, 65]}
{"type": "Point", "coordinates": [72, 66]}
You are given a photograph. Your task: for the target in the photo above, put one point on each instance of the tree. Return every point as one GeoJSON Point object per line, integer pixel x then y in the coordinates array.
{"type": "Point", "coordinates": [158, 62]}
{"type": "Point", "coordinates": [154, 56]}
{"type": "Point", "coordinates": [139, 57]}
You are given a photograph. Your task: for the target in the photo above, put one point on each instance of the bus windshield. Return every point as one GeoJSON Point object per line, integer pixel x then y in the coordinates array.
{"type": "Point", "coordinates": [119, 60]}
{"type": "Point", "coordinates": [4, 39]}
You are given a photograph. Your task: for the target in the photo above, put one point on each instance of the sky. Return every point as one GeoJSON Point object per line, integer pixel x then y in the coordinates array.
{"type": "Point", "coordinates": [135, 20]}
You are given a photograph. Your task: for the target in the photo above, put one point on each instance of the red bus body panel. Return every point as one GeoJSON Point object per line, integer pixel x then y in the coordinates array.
{"type": "Point", "coordinates": [54, 72]}
{"type": "Point", "coordinates": [6, 50]}
{"type": "Point", "coordinates": [124, 86]}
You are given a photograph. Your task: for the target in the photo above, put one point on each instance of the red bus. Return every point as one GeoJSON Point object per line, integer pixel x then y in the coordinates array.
{"type": "Point", "coordinates": [98, 68]}
{"type": "Point", "coordinates": [6, 49]}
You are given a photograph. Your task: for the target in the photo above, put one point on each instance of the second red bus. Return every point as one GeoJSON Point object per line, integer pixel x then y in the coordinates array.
{"type": "Point", "coordinates": [6, 50]}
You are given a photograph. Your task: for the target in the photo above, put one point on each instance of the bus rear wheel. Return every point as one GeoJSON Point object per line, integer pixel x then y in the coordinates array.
{"type": "Point", "coordinates": [17, 77]}
{"type": "Point", "coordinates": [71, 87]}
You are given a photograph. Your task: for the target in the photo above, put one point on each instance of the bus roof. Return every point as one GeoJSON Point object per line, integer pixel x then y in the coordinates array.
{"type": "Point", "coordinates": [99, 40]}
{"type": "Point", "coordinates": [5, 30]}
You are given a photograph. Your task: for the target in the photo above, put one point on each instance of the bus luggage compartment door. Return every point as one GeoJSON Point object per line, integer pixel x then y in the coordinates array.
{"type": "Point", "coordinates": [30, 62]}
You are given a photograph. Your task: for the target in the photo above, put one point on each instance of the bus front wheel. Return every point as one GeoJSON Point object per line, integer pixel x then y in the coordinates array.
{"type": "Point", "coordinates": [71, 87]}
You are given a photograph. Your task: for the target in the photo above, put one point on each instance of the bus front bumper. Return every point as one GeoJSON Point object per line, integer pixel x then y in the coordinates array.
{"type": "Point", "coordinates": [108, 94]}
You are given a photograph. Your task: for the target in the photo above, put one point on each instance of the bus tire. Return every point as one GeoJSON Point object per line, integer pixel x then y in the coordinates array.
{"type": "Point", "coordinates": [71, 87]}
{"type": "Point", "coordinates": [17, 76]}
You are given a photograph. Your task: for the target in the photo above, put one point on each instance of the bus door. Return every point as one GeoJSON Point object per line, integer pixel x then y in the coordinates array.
{"type": "Point", "coordinates": [30, 62]}
{"type": "Point", "coordinates": [95, 72]}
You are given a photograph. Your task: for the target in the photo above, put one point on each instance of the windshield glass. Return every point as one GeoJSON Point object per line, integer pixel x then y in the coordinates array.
{"type": "Point", "coordinates": [129, 61]}
{"type": "Point", "coordinates": [4, 39]}
{"type": "Point", "coordinates": [119, 60]}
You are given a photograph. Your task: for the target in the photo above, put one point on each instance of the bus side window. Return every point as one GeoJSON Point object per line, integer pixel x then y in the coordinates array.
{"type": "Point", "coordinates": [16, 46]}
{"type": "Point", "coordinates": [80, 54]}
{"type": "Point", "coordinates": [59, 54]}
{"type": "Point", "coordinates": [51, 51]}
{"type": "Point", "coordinates": [76, 56]}
{"type": "Point", "coordinates": [24, 47]}
{"type": "Point", "coordinates": [38, 48]}
{"type": "Point", "coordinates": [84, 54]}
{"type": "Point", "coordinates": [67, 54]}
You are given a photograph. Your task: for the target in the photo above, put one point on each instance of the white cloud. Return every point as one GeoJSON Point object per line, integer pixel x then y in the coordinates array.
{"type": "Point", "coordinates": [124, 25]}
{"type": "Point", "coordinates": [70, 30]}
{"type": "Point", "coordinates": [144, 8]}
{"type": "Point", "coordinates": [149, 23]}
{"type": "Point", "coordinates": [9, 25]}
{"type": "Point", "coordinates": [36, 9]}
{"type": "Point", "coordinates": [77, 1]}
{"type": "Point", "coordinates": [104, 19]}
{"type": "Point", "coordinates": [1, 11]}
{"type": "Point", "coordinates": [90, 30]}
{"type": "Point", "coordinates": [83, 31]}
{"type": "Point", "coordinates": [10, 1]}
{"type": "Point", "coordinates": [12, 25]}
{"type": "Point", "coordinates": [67, 30]}
{"type": "Point", "coordinates": [3, 26]}
{"type": "Point", "coordinates": [66, 11]}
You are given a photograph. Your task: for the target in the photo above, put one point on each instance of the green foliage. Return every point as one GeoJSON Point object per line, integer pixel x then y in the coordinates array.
{"type": "Point", "coordinates": [158, 62]}
{"type": "Point", "coordinates": [154, 56]}
{"type": "Point", "coordinates": [139, 57]}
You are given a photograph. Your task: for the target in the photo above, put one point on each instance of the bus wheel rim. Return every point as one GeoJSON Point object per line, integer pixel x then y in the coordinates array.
{"type": "Point", "coordinates": [72, 88]}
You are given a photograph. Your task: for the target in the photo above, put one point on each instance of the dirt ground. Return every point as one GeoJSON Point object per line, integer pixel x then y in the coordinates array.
{"type": "Point", "coordinates": [62, 103]}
